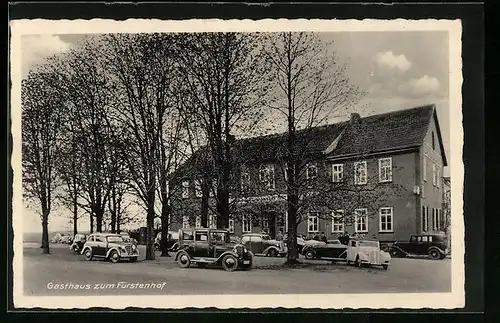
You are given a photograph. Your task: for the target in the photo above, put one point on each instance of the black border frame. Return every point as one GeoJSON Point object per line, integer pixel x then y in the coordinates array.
{"type": "Point", "coordinates": [472, 17]}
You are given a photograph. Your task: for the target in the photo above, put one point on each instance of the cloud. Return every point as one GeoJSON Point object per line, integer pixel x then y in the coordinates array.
{"type": "Point", "coordinates": [388, 59]}
{"type": "Point", "coordinates": [424, 85]}
{"type": "Point", "coordinates": [36, 48]}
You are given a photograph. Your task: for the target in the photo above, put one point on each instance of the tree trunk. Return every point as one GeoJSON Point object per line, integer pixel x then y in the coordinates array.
{"type": "Point", "coordinates": [75, 216]}
{"type": "Point", "coordinates": [150, 251]}
{"type": "Point", "coordinates": [91, 222]}
{"type": "Point", "coordinates": [204, 202]}
{"type": "Point", "coordinates": [45, 231]}
{"type": "Point", "coordinates": [292, 254]}
{"type": "Point", "coordinates": [165, 212]}
{"type": "Point", "coordinates": [99, 215]}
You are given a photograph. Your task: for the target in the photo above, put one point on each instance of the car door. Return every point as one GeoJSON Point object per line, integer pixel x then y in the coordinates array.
{"type": "Point", "coordinates": [257, 245]}
{"type": "Point", "coordinates": [201, 244]}
{"type": "Point", "coordinates": [352, 250]}
{"type": "Point", "coordinates": [99, 248]}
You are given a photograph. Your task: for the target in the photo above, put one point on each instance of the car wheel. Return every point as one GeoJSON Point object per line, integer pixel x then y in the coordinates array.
{"type": "Point", "coordinates": [309, 254]}
{"type": "Point", "coordinates": [88, 254]}
{"type": "Point", "coordinates": [229, 263]}
{"type": "Point", "coordinates": [395, 253]}
{"type": "Point", "coordinates": [132, 259]}
{"type": "Point", "coordinates": [271, 253]}
{"type": "Point", "coordinates": [114, 256]}
{"type": "Point", "coordinates": [184, 260]}
{"type": "Point", "coordinates": [434, 254]}
{"type": "Point", "coordinates": [385, 267]}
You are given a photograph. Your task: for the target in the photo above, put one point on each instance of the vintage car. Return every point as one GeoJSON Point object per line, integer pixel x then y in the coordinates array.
{"type": "Point", "coordinates": [109, 246]}
{"type": "Point", "coordinates": [333, 249]}
{"type": "Point", "coordinates": [433, 245]}
{"type": "Point", "coordinates": [172, 239]}
{"type": "Point", "coordinates": [367, 253]}
{"type": "Point", "coordinates": [78, 242]}
{"type": "Point", "coordinates": [204, 247]}
{"type": "Point", "coordinates": [262, 244]}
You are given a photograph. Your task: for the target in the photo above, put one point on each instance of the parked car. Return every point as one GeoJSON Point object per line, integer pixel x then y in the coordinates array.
{"type": "Point", "coordinates": [211, 247]}
{"type": "Point", "coordinates": [66, 239]}
{"type": "Point", "coordinates": [78, 242]}
{"type": "Point", "coordinates": [367, 253]}
{"type": "Point", "coordinates": [433, 245]}
{"type": "Point", "coordinates": [333, 249]}
{"type": "Point", "coordinates": [172, 239]}
{"type": "Point", "coordinates": [262, 244]}
{"type": "Point", "coordinates": [109, 246]}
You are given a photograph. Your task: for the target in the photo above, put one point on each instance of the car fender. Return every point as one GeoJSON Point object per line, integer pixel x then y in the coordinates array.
{"type": "Point", "coordinates": [111, 250]}
{"type": "Point", "coordinates": [227, 253]}
{"type": "Point", "coordinates": [85, 248]}
{"type": "Point", "coordinates": [265, 251]}
{"type": "Point", "coordinates": [436, 248]}
{"type": "Point", "coordinates": [178, 252]}
{"type": "Point", "coordinates": [385, 256]}
{"type": "Point", "coordinates": [362, 256]}
{"type": "Point", "coordinates": [398, 248]}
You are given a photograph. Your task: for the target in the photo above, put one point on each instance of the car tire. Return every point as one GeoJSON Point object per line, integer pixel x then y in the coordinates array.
{"type": "Point", "coordinates": [434, 254]}
{"type": "Point", "coordinates": [385, 267]}
{"type": "Point", "coordinates": [114, 257]}
{"type": "Point", "coordinates": [395, 253]}
{"type": "Point", "coordinates": [132, 259]}
{"type": "Point", "coordinates": [229, 263]}
{"type": "Point", "coordinates": [271, 253]}
{"type": "Point", "coordinates": [309, 254]}
{"type": "Point", "coordinates": [184, 260]}
{"type": "Point", "coordinates": [88, 254]}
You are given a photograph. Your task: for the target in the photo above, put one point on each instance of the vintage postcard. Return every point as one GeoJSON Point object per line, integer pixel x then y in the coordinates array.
{"type": "Point", "coordinates": [237, 164]}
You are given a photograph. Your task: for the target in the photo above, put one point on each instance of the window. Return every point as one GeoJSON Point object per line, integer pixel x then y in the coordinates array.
{"type": "Point", "coordinates": [200, 236]}
{"type": "Point", "coordinates": [245, 239]}
{"type": "Point", "coordinates": [265, 223]}
{"type": "Point", "coordinates": [360, 173]}
{"type": "Point", "coordinates": [185, 189]}
{"type": "Point", "coordinates": [231, 226]}
{"type": "Point", "coordinates": [313, 222]}
{"type": "Point", "coordinates": [246, 223]}
{"type": "Point", "coordinates": [413, 239]}
{"type": "Point", "coordinates": [430, 238]}
{"type": "Point", "coordinates": [185, 222]}
{"type": "Point", "coordinates": [434, 174]}
{"type": "Point", "coordinates": [266, 177]}
{"type": "Point", "coordinates": [187, 235]}
{"type": "Point", "coordinates": [425, 239]}
{"type": "Point", "coordinates": [338, 221]}
{"type": "Point", "coordinates": [433, 141]}
{"type": "Point", "coordinates": [245, 182]}
{"type": "Point", "coordinates": [424, 170]}
{"type": "Point", "coordinates": [197, 188]}
{"type": "Point", "coordinates": [311, 174]}
{"type": "Point", "coordinates": [361, 220]}
{"type": "Point", "coordinates": [385, 169]}
{"type": "Point", "coordinates": [213, 189]}
{"type": "Point", "coordinates": [99, 239]}
{"type": "Point", "coordinates": [438, 177]}
{"type": "Point", "coordinates": [212, 221]}
{"type": "Point", "coordinates": [386, 219]}
{"type": "Point", "coordinates": [198, 221]}
{"type": "Point", "coordinates": [425, 224]}
{"type": "Point", "coordinates": [435, 220]}
{"type": "Point", "coordinates": [337, 173]}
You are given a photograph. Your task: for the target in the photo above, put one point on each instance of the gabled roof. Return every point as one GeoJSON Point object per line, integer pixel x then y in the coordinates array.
{"type": "Point", "coordinates": [386, 131]}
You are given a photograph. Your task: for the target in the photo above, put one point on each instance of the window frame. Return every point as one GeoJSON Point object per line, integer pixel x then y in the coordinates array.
{"type": "Point", "coordinates": [388, 172]}
{"type": "Point", "coordinates": [197, 221]}
{"type": "Point", "coordinates": [356, 174]}
{"type": "Point", "coordinates": [381, 216]}
{"type": "Point", "coordinates": [246, 220]}
{"type": "Point", "coordinates": [198, 189]}
{"type": "Point", "coordinates": [185, 222]}
{"type": "Point", "coordinates": [266, 169]}
{"type": "Point", "coordinates": [245, 182]}
{"type": "Point", "coordinates": [339, 225]}
{"type": "Point", "coordinates": [338, 173]}
{"type": "Point", "coordinates": [316, 220]}
{"type": "Point", "coordinates": [231, 225]}
{"type": "Point", "coordinates": [357, 216]}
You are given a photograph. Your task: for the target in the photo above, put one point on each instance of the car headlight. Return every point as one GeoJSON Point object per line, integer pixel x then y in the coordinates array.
{"type": "Point", "coordinates": [134, 247]}
{"type": "Point", "coordinates": [238, 250]}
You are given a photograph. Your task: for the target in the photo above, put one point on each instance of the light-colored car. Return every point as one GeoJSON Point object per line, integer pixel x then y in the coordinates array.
{"type": "Point", "coordinates": [109, 246]}
{"type": "Point", "coordinates": [367, 253]}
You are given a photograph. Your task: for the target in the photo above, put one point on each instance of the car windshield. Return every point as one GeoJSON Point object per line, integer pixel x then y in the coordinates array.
{"type": "Point", "coordinates": [114, 239]}
{"type": "Point", "coordinates": [219, 236]}
{"type": "Point", "coordinates": [368, 243]}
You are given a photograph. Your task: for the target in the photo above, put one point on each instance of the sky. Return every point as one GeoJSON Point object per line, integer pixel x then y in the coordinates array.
{"type": "Point", "coordinates": [397, 70]}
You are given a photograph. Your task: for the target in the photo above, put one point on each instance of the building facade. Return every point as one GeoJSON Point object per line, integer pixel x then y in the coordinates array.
{"type": "Point", "coordinates": [378, 176]}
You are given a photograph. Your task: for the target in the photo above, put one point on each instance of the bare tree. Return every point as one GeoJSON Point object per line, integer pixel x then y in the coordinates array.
{"type": "Point", "coordinates": [223, 82]}
{"type": "Point", "coordinates": [143, 69]}
{"type": "Point", "coordinates": [311, 86]}
{"type": "Point", "coordinates": [41, 123]}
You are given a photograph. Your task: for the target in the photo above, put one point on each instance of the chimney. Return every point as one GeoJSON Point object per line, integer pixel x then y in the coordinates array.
{"type": "Point", "coordinates": [355, 117]}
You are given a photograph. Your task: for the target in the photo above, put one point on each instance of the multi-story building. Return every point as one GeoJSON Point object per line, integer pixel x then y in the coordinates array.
{"type": "Point", "coordinates": [391, 164]}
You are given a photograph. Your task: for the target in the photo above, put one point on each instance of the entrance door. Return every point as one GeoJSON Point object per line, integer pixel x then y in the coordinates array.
{"type": "Point", "coordinates": [269, 220]}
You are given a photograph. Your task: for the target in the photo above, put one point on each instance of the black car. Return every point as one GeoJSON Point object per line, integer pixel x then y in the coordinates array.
{"type": "Point", "coordinates": [262, 244]}
{"type": "Point", "coordinates": [433, 245]}
{"type": "Point", "coordinates": [172, 241]}
{"type": "Point", "coordinates": [211, 247]}
{"type": "Point", "coordinates": [333, 249]}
